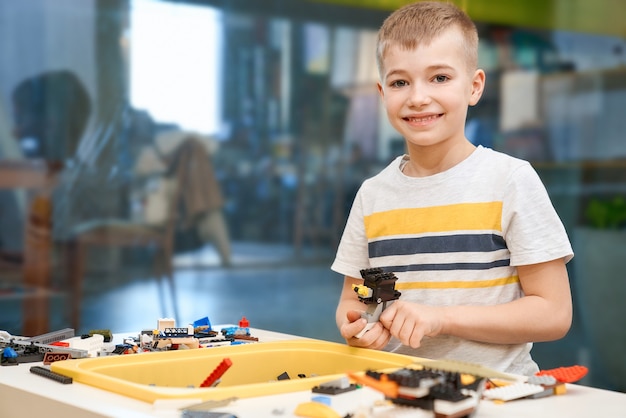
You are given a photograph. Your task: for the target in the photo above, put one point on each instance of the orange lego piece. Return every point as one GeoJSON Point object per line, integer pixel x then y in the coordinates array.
{"type": "Point", "coordinates": [569, 374]}
{"type": "Point", "coordinates": [384, 385]}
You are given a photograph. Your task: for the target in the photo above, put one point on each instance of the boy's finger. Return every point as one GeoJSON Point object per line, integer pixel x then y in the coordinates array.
{"type": "Point", "coordinates": [353, 315]}
{"type": "Point", "coordinates": [357, 326]}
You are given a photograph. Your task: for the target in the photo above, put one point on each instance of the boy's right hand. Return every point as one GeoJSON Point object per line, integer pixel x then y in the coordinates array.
{"type": "Point", "coordinates": [376, 338]}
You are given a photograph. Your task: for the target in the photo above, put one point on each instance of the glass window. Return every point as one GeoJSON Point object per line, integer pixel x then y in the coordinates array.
{"type": "Point", "coordinates": [191, 159]}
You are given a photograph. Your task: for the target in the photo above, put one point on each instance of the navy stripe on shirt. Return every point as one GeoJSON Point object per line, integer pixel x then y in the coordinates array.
{"type": "Point", "coordinates": [437, 244]}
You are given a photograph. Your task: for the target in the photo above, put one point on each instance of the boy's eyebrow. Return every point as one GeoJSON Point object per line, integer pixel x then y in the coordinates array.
{"type": "Point", "coordinates": [430, 68]}
{"type": "Point", "coordinates": [440, 67]}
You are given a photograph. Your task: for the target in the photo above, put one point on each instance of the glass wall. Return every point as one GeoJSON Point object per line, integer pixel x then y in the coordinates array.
{"type": "Point", "coordinates": [142, 138]}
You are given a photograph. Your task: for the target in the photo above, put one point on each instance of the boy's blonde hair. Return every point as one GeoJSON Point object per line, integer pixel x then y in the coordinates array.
{"type": "Point", "coordinates": [419, 23]}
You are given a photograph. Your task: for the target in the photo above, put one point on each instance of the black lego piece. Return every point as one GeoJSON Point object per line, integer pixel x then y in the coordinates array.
{"type": "Point", "coordinates": [42, 371]}
{"type": "Point", "coordinates": [382, 285]}
{"type": "Point", "coordinates": [333, 390]}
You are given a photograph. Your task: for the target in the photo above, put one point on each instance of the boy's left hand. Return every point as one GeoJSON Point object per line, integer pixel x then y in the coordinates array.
{"type": "Point", "coordinates": [410, 322]}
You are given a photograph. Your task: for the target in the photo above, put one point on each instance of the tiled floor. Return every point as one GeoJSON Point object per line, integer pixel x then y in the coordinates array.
{"type": "Point", "coordinates": [269, 285]}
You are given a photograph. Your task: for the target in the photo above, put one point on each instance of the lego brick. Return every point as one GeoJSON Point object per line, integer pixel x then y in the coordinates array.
{"type": "Point", "coordinates": [42, 371]}
{"type": "Point", "coordinates": [511, 392]}
{"type": "Point", "coordinates": [569, 374]}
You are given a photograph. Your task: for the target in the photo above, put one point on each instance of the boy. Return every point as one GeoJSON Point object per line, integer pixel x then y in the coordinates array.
{"type": "Point", "coordinates": [470, 233]}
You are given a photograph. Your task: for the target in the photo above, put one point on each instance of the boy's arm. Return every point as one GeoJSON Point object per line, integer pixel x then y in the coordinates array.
{"type": "Point", "coordinates": [544, 313]}
{"type": "Point", "coordinates": [350, 323]}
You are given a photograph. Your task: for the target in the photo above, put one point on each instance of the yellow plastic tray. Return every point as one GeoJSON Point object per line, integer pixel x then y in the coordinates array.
{"type": "Point", "coordinates": [254, 371]}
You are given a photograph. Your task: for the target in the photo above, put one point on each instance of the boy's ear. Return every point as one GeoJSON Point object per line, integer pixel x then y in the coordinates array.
{"type": "Point", "coordinates": [380, 90]}
{"type": "Point", "coordinates": [478, 85]}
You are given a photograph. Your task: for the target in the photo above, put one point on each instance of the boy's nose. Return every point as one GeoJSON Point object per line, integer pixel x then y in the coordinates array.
{"type": "Point", "coordinates": [419, 96]}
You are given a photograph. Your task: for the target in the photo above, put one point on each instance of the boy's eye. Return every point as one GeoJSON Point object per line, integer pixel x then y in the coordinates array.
{"type": "Point", "coordinates": [399, 83]}
{"type": "Point", "coordinates": [441, 78]}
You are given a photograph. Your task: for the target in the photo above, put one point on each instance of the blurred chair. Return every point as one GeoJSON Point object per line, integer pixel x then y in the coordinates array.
{"type": "Point", "coordinates": [187, 157]}
{"type": "Point", "coordinates": [155, 230]}
{"type": "Point", "coordinates": [32, 269]}
{"type": "Point", "coordinates": [177, 158]}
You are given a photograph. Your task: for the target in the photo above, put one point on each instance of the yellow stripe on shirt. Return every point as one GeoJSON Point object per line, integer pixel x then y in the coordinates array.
{"type": "Point", "coordinates": [485, 216]}
{"type": "Point", "coordinates": [458, 284]}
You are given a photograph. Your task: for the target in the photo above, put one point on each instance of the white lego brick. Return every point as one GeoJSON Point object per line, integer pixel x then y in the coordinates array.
{"type": "Point", "coordinates": [511, 392]}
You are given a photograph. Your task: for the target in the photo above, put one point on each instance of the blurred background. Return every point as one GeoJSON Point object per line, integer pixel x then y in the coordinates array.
{"type": "Point", "coordinates": [199, 158]}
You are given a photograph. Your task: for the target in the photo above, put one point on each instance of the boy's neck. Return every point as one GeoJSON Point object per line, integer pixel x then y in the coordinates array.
{"type": "Point", "coordinates": [428, 161]}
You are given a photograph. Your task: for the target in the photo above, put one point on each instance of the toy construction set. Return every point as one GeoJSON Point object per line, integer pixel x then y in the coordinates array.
{"type": "Point", "coordinates": [215, 367]}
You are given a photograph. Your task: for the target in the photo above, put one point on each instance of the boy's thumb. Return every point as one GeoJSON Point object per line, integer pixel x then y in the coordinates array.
{"type": "Point", "coordinates": [353, 316]}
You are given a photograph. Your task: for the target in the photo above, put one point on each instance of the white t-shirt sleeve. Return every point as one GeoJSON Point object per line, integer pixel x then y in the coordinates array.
{"type": "Point", "coordinates": [532, 229]}
{"type": "Point", "coordinates": [352, 253]}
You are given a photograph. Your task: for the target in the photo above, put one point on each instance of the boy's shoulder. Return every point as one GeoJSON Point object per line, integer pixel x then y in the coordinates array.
{"type": "Point", "coordinates": [497, 157]}
{"type": "Point", "coordinates": [502, 164]}
{"type": "Point", "coordinates": [390, 170]}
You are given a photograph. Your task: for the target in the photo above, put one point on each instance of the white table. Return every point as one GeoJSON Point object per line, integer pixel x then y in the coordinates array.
{"type": "Point", "coordinates": [24, 394]}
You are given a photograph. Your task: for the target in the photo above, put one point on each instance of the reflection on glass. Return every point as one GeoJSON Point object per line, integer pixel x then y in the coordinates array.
{"type": "Point", "coordinates": [288, 114]}
{"type": "Point", "coordinates": [174, 63]}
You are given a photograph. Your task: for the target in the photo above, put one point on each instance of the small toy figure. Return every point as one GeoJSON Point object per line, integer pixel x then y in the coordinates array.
{"type": "Point", "coordinates": [377, 291]}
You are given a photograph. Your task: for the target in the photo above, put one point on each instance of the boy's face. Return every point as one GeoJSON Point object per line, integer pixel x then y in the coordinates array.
{"type": "Point", "coordinates": [426, 91]}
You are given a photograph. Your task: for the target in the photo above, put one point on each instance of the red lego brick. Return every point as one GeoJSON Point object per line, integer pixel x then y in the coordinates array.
{"type": "Point", "coordinates": [569, 374]}
{"type": "Point", "coordinates": [217, 373]}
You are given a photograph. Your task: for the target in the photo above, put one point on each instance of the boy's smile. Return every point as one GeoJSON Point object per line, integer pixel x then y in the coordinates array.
{"type": "Point", "coordinates": [427, 90]}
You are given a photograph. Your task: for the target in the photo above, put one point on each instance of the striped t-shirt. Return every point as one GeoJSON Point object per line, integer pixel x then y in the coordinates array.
{"type": "Point", "coordinates": [454, 238]}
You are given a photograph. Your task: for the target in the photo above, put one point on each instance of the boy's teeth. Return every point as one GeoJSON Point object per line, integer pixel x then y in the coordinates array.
{"type": "Point", "coordinates": [421, 119]}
